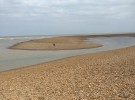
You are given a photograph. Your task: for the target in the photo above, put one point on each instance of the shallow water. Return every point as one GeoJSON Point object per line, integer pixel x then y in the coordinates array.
{"type": "Point", "coordinates": [10, 59]}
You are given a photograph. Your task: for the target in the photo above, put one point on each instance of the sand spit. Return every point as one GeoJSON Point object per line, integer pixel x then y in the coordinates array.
{"type": "Point", "coordinates": [101, 76]}
{"type": "Point", "coordinates": [56, 43]}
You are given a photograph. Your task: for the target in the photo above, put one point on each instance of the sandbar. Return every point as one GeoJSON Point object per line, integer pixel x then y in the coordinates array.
{"type": "Point", "coordinates": [57, 43]}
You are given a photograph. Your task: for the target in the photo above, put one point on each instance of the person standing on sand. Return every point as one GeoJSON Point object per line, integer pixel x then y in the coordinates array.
{"type": "Point", "coordinates": [53, 44]}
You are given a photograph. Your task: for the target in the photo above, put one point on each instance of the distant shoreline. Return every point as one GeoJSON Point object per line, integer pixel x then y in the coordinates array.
{"type": "Point", "coordinates": [91, 34]}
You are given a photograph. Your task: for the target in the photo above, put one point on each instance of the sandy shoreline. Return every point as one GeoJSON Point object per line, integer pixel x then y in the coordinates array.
{"type": "Point", "coordinates": [106, 75]}
{"type": "Point", "coordinates": [56, 43]}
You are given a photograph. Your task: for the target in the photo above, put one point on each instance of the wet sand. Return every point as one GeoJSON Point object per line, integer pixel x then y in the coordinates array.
{"type": "Point", "coordinates": [57, 43]}
{"type": "Point", "coordinates": [106, 75]}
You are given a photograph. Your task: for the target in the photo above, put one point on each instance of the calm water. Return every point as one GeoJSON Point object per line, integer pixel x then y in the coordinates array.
{"type": "Point", "coordinates": [10, 59]}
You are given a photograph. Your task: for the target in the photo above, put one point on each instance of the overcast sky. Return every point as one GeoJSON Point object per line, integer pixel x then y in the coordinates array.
{"type": "Point", "coordinates": [27, 17]}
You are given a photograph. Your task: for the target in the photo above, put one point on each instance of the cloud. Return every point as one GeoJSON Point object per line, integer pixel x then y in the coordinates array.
{"type": "Point", "coordinates": [116, 9]}
{"type": "Point", "coordinates": [89, 8]}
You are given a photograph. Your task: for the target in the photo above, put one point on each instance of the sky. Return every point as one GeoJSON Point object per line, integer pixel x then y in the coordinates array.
{"type": "Point", "coordinates": [52, 17]}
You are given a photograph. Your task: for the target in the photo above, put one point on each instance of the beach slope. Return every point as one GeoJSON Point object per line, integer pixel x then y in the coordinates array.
{"type": "Point", "coordinates": [101, 76]}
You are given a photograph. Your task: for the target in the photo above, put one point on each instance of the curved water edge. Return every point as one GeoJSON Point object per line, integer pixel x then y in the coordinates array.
{"type": "Point", "coordinates": [11, 59]}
